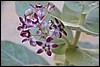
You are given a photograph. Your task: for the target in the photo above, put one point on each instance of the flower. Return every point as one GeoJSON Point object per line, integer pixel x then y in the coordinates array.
{"type": "Point", "coordinates": [37, 6]}
{"type": "Point", "coordinates": [50, 8]}
{"type": "Point", "coordinates": [24, 23]}
{"type": "Point", "coordinates": [46, 46]}
{"type": "Point", "coordinates": [44, 32]}
{"type": "Point", "coordinates": [28, 12]}
{"type": "Point", "coordinates": [56, 28]}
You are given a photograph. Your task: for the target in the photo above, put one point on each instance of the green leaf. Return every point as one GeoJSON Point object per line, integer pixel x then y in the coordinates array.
{"type": "Point", "coordinates": [13, 54]}
{"type": "Point", "coordinates": [69, 33]}
{"type": "Point", "coordinates": [71, 18]}
{"type": "Point", "coordinates": [69, 15]}
{"type": "Point", "coordinates": [91, 49]}
{"type": "Point", "coordinates": [60, 49]}
{"type": "Point", "coordinates": [79, 57]}
{"type": "Point", "coordinates": [87, 45]}
{"type": "Point", "coordinates": [74, 5]}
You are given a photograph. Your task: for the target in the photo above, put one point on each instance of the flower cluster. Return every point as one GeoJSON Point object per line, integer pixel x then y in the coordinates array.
{"type": "Point", "coordinates": [46, 31]}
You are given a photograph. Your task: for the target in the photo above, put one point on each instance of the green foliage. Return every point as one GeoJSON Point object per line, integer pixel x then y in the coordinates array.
{"type": "Point", "coordinates": [73, 19]}
{"type": "Point", "coordinates": [78, 57]}
{"type": "Point", "coordinates": [81, 16]}
{"type": "Point", "coordinates": [13, 54]}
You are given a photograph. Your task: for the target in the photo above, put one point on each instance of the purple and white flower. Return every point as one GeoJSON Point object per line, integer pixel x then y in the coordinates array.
{"type": "Point", "coordinates": [45, 33]}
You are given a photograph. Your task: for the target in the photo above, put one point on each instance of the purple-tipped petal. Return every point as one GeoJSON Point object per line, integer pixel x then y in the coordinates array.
{"type": "Point", "coordinates": [32, 43]}
{"type": "Point", "coordinates": [40, 51]}
{"type": "Point", "coordinates": [52, 22]}
{"type": "Point", "coordinates": [29, 21]}
{"type": "Point", "coordinates": [64, 33]}
{"type": "Point", "coordinates": [21, 20]}
{"type": "Point", "coordinates": [25, 33]}
{"type": "Point", "coordinates": [62, 24]}
{"type": "Point", "coordinates": [52, 7]}
{"type": "Point", "coordinates": [49, 53]}
{"type": "Point", "coordinates": [19, 28]}
{"type": "Point", "coordinates": [60, 29]}
{"type": "Point", "coordinates": [35, 16]}
{"type": "Point", "coordinates": [49, 39]}
{"type": "Point", "coordinates": [50, 27]}
{"type": "Point", "coordinates": [54, 45]}
{"type": "Point", "coordinates": [60, 35]}
{"type": "Point", "coordinates": [31, 5]}
{"type": "Point", "coordinates": [56, 20]}
{"type": "Point", "coordinates": [30, 26]}
{"type": "Point", "coordinates": [47, 5]}
{"type": "Point", "coordinates": [38, 5]}
{"type": "Point", "coordinates": [39, 43]}
{"type": "Point", "coordinates": [24, 40]}
{"type": "Point", "coordinates": [54, 26]}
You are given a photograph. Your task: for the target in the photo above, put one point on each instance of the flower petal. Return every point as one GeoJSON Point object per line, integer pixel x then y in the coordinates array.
{"type": "Point", "coordinates": [49, 39]}
{"type": "Point", "coordinates": [32, 43]}
{"type": "Point", "coordinates": [39, 43]}
{"type": "Point", "coordinates": [25, 40]}
{"type": "Point", "coordinates": [19, 28]}
{"type": "Point", "coordinates": [40, 13]}
{"type": "Point", "coordinates": [29, 21]}
{"type": "Point", "coordinates": [54, 45]}
{"type": "Point", "coordinates": [43, 24]}
{"type": "Point", "coordinates": [21, 20]}
{"type": "Point", "coordinates": [54, 26]}
{"type": "Point", "coordinates": [25, 33]}
{"type": "Point", "coordinates": [49, 53]}
{"type": "Point", "coordinates": [52, 7]}
{"type": "Point", "coordinates": [60, 35]}
{"type": "Point", "coordinates": [35, 16]}
{"type": "Point", "coordinates": [56, 20]}
{"type": "Point", "coordinates": [30, 26]}
{"type": "Point", "coordinates": [62, 24]}
{"type": "Point", "coordinates": [40, 51]}
{"type": "Point", "coordinates": [31, 5]}
{"type": "Point", "coordinates": [64, 33]}
{"type": "Point", "coordinates": [38, 5]}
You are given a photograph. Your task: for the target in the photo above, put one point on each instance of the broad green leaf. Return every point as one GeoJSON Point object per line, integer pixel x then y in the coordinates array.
{"type": "Point", "coordinates": [69, 15]}
{"type": "Point", "coordinates": [87, 45]}
{"type": "Point", "coordinates": [79, 57]}
{"type": "Point", "coordinates": [13, 54]}
{"type": "Point", "coordinates": [70, 19]}
{"type": "Point", "coordinates": [91, 49]}
{"type": "Point", "coordinates": [69, 33]}
{"type": "Point", "coordinates": [74, 5]}
{"type": "Point", "coordinates": [60, 49]}
{"type": "Point", "coordinates": [84, 6]}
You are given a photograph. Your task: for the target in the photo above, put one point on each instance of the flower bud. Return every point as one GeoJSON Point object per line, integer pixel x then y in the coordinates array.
{"type": "Point", "coordinates": [28, 12]}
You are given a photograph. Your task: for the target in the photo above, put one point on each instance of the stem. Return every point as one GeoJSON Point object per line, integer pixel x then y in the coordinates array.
{"type": "Point", "coordinates": [66, 63]}
{"type": "Point", "coordinates": [82, 18]}
{"type": "Point", "coordinates": [77, 35]}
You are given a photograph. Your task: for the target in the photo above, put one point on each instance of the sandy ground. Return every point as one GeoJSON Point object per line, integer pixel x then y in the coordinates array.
{"type": "Point", "coordinates": [9, 23]}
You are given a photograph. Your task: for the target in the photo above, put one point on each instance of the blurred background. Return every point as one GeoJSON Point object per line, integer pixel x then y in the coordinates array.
{"type": "Point", "coordinates": [10, 22]}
